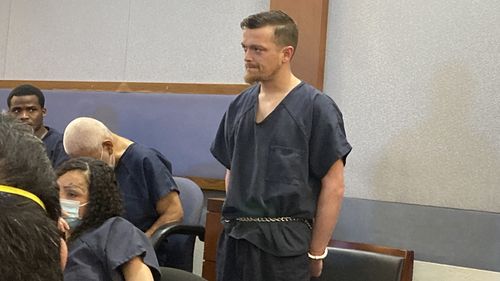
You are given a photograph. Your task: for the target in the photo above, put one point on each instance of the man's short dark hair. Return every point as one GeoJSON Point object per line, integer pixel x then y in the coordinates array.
{"type": "Point", "coordinates": [26, 90]}
{"type": "Point", "coordinates": [285, 29]}
{"type": "Point", "coordinates": [29, 238]}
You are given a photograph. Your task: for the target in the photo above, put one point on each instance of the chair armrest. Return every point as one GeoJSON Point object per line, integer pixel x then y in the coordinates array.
{"type": "Point", "coordinates": [177, 228]}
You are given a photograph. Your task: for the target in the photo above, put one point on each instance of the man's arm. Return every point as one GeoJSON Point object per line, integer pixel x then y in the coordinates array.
{"type": "Point", "coordinates": [169, 208]}
{"type": "Point", "coordinates": [226, 182]}
{"type": "Point", "coordinates": [136, 270]}
{"type": "Point", "coordinates": [327, 213]}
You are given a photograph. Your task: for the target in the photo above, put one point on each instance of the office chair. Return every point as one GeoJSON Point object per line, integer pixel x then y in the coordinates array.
{"type": "Point", "coordinates": [174, 274]}
{"type": "Point", "coordinates": [350, 261]}
{"type": "Point", "coordinates": [180, 237]}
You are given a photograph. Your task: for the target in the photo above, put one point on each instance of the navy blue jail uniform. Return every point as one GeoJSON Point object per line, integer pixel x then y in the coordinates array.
{"type": "Point", "coordinates": [276, 170]}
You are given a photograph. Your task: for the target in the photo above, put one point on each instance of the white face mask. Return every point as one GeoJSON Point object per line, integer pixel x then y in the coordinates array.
{"type": "Point", "coordinates": [72, 209]}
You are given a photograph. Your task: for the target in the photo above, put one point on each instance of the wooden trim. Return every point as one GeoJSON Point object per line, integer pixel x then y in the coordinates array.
{"type": "Point", "coordinates": [142, 87]}
{"type": "Point", "coordinates": [214, 205]}
{"type": "Point", "coordinates": [209, 183]}
{"type": "Point", "coordinates": [311, 17]}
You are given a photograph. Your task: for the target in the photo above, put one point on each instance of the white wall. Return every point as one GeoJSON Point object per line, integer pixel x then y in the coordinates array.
{"type": "Point", "coordinates": [418, 84]}
{"type": "Point", "coordinates": [425, 271]}
{"type": "Point", "coordinates": [115, 40]}
{"type": "Point", "coordinates": [4, 28]}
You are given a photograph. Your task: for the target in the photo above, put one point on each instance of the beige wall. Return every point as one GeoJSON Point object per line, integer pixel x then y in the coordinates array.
{"type": "Point", "coordinates": [115, 40]}
{"type": "Point", "coordinates": [418, 84]}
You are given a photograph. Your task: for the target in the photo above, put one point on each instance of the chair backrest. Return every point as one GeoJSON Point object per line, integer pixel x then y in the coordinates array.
{"type": "Point", "coordinates": [173, 274]}
{"type": "Point", "coordinates": [349, 261]}
{"type": "Point", "coordinates": [192, 200]}
{"type": "Point", "coordinates": [177, 251]}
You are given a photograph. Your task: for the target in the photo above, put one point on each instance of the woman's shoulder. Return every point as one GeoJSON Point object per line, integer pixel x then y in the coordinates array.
{"type": "Point", "coordinates": [108, 228]}
{"type": "Point", "coordinates": [118, 224]}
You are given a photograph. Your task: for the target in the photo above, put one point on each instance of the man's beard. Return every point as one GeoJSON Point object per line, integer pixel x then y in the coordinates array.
{"type": "Point", "coordinates": [259, 76]}
{"type": "Point", "coordinates": [251, 78]}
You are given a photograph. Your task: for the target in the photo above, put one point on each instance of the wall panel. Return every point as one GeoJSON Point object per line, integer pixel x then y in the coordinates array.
{"type": "Point", "coordinates": [187, 41]}
{"type": "Point", "coordinates": [418, 86]}
{"type": "Point", "coordinates": [4, 30]}
{"type": "Point", "coordinates": [67, 40]}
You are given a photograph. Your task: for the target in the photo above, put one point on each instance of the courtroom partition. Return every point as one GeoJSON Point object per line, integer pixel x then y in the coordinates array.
{"type": "Point", "coordinates": [213, 228]}
{"type": "Point", "coordinates": [181, 126]}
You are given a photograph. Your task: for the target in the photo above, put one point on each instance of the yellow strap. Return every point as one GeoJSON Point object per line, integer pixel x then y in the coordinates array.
{"type": "Point", "coordinates": [24, 193]}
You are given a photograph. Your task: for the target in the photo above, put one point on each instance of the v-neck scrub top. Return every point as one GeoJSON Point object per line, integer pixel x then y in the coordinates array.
{"type": "Point", "coordinates": [277, 165]}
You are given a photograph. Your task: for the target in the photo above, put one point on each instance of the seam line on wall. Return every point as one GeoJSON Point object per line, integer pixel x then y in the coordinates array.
{"type": "Point", "coordinates": [4, 63]}
{"type": "Point", "coordinates": [126, 41]}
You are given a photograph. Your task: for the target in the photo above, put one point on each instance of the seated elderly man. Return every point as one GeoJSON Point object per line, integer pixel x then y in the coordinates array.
{"type": "Point", "coordinates": [144, 177]}
{"type": "Point", "coordinates": [30, 243]}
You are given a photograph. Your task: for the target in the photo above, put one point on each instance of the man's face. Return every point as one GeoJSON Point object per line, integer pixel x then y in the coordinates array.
{"type": "Point", "coordinates": [263, 58]}
{"type": "Point", "coordinates": [28, 110]}
{"type": "Point", "coordinates": [103, 153]}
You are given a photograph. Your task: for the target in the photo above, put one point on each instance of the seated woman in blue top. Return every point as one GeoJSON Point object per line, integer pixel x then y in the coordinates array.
{"type": "Point", "coordinates": [102, 245]}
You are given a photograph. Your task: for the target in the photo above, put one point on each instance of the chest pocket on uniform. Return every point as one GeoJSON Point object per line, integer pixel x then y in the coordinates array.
{"type": "Point", "coordinates": [285, 165]}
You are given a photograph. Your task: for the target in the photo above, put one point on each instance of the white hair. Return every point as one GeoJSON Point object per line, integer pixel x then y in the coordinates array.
{"type": "Point", "coordinates": [85, 135]}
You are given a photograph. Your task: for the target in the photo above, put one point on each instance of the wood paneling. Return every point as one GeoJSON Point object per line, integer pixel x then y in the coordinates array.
{"type": "Point", "coordinates": [213, 228]}
{"type": "Point", "coordinates": [311, 17]}
{"type": "Point", "coordinates": [143, 87]}
{"type": "Point", "coordinates": [209, 183]}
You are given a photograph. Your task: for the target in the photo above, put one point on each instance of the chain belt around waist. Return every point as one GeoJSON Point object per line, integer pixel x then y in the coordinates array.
{"type": "Point", "coordinates": [270, 220]}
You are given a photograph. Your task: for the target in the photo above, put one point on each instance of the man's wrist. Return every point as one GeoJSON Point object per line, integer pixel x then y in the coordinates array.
{"type": "Point", "coordinates": [318, 257]}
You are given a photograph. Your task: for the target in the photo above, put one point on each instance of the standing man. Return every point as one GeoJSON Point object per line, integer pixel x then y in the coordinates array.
{"type": "Point", "coordinates": [27, 103]}
{"type": "Point", "coordinates": [150, 196]}
{"type": "Point", "coordinates": [284, 146]}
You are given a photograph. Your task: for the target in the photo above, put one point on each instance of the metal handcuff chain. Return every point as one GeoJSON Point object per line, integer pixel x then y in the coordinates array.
{"type": "Point", "coordinates": [272, 219]}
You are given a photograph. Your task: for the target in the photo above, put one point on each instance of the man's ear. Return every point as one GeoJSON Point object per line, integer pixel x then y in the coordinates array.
{"type": "Point", "coordinates": [288, 52]}
{"type": "Point", "coordinates": [44, 111]}
{"type": "Point", "coordinates": [108, 146]}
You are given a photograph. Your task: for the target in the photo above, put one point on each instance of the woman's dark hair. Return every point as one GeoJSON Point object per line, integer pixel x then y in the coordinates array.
{"type": "Point", "coordinates": [30, 242]}
{"type": "Point", "coordinates": [24, 164]}
{"type": "Point", "coordinates": [104, 197]}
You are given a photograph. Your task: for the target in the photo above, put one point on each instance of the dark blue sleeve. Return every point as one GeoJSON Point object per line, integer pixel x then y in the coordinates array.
{"type": "Point", "coordinates": [78, 268]}
{"type": "Point", "coordinates": [54, 147]}
{"type": "Point", "coordinates": [59, 155]}
{"type": "Point", "coordinates": [328, 139]}
{"type": "Point", "coordinates": [220, 148]}
{"type": "Point", "coordinates": [158, 177]}
{"type": "Point", "coordinates": [125, 242]}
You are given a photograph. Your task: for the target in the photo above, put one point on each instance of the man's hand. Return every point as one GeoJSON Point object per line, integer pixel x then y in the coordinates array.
{"type": "Point", "coordinates": [62, 225]}
{"type": "Point", "coordinates": [316, 267]}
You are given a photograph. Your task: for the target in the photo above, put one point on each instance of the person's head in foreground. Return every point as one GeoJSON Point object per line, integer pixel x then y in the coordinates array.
{"type": "Point", "coordinates": [30, 242]}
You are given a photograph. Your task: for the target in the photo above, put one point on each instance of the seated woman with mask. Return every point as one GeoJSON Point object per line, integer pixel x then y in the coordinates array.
{"type": "Point", "coordinates": [102, 245]}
